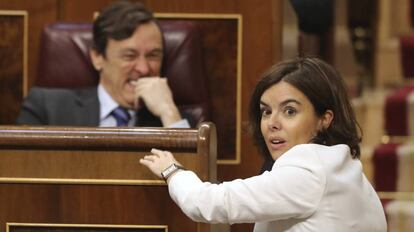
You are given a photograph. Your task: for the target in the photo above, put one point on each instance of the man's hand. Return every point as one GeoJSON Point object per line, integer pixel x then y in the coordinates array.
{"type": "Point", "coordinates": [157, 96]}
{"type": "Point", "coordinates": [158, 161]}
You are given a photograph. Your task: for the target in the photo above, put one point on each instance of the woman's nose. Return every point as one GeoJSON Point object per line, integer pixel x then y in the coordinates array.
{"type": "Point", "coordinates": [274, 123]}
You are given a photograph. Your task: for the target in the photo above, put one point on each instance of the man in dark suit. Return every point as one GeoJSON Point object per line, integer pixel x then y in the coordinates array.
{"type": "Point", "coordinates": [128, 52]}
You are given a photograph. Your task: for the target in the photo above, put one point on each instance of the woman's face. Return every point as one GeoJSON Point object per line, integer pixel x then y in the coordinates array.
{"type": "Point", "coordinates": [288, 118]}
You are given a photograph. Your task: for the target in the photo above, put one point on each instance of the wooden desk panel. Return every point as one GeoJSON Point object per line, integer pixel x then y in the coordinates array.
{"type": "Point", "coordinates": [80, 177]}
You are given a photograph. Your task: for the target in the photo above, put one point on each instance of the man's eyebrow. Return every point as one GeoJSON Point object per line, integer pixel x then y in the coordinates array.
{"type": "Point", "coordinates": [157, 50]}
{"type": "Point", "coordinates": [123, 50]}
{"type": "Point", "coordinates": [126, 50]}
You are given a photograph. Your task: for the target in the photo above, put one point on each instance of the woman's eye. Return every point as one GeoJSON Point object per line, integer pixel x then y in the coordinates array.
{"type": "Point", "coordinates": [290, 111]}
{"type": "Point", "coordinates": [265, 112]}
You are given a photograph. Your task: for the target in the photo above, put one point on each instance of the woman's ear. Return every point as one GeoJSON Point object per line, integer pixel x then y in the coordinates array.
{"type": "Point", "coordinates": [326, 119]}
{"type": "Point", "coordinates": [97, 59]}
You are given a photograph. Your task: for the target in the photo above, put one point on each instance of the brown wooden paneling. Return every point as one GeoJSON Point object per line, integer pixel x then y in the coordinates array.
{"type": "Point", "coordinates": [79, 175]}
{"type": "Point", "coordinates": [91, 204]}
{"type": "Point", "coordinates": [39, 13]}
{"type": "Point", "coordinates": [220, 48]}
{"type": "Point", "coordinates": [98, 154]}
{"type": "Point", "coordinates": [43, 227]}
{"type": "Point", "coordinates": [79, 10]}
{"type": "Point", "coordinates": [13, 39]}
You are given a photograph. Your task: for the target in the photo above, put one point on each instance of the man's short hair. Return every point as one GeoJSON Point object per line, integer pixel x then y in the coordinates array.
{"type": "Point", "coordinates": [118, 21]}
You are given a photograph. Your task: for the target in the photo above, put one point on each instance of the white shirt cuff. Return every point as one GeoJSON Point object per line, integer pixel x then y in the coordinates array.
{"type": "Point", "coordinates": [183, 123]}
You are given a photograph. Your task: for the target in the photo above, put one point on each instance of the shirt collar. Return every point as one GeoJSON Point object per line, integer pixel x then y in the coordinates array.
{"type": "Point", "coordinates": [107, 103]}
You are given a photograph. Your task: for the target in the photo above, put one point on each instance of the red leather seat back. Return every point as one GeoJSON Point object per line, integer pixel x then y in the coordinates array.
{"type": "Point", "coordinates": [407, 55]}
{"type": "Point", "coordinates": [64, 57]}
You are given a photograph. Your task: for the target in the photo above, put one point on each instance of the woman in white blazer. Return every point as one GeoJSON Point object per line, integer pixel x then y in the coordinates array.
{"type": "Point", "coordinates": [303, 121]}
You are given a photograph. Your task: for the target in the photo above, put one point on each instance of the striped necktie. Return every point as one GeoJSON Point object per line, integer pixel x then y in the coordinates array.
{"type": "Point", "coordinates": [121, 116]}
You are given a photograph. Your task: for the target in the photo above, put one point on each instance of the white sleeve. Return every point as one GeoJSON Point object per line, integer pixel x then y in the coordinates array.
{"type": "Point", "coordinates": [285, 192]}
{"type": "Point", "coordinates": [183, 123]}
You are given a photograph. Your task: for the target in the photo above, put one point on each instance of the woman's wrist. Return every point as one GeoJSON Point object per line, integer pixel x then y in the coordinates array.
{"type": "Point", "coordinates": [170, 171]}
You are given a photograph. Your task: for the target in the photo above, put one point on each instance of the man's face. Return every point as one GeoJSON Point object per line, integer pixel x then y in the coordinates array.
{"type": "Point", "coordinates": [128, 60]}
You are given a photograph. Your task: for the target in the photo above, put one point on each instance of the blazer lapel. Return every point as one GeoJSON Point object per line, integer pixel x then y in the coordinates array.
{"type": "Point", "coordinates": [88, 107]}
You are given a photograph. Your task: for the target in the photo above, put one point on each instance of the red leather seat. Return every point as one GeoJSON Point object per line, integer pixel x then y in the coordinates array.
{"type": "Point", "coordinates": [64, 62]}
{"type": "Point", "coordinates": [396, 112]}
{"type": "Point", "coordinates": [385, 162]}
{"type": "Point", "coordinates": [407, 56]}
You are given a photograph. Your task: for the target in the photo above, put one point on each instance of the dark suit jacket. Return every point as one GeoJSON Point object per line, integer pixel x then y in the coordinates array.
{"type": "Point", "coordinates": [69, 107]}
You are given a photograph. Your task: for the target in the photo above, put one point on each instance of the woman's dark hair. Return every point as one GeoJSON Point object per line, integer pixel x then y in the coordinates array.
{"type": "Point", "coordinates": [325, 89]}
{"type": "Point", "coordinates": [119, 21]}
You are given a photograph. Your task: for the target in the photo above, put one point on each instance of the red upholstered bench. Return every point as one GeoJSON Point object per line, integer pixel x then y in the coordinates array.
{"type": "Point", "coordinates": [385, 167]}
{"type": "Point", "coordinates": [393, 172]}
{"type": "Point", "coordinates": [407, 56]}
{"type": "Point", "coordinates": [393, 163]}
{"type": "Point", "coordinates": [397, 112]}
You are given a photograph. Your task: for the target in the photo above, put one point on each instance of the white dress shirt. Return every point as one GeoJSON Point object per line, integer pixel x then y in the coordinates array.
{"type": "Point", "coordinates": [311, 188]}
{"type": "Point", "coordinates": [108, 104]}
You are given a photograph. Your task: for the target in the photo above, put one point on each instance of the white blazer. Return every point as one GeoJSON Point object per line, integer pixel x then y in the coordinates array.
{"type": "Point", "coordinates": [310, 188]}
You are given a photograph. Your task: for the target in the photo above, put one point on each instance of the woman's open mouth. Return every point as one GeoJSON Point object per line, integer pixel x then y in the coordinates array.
{"type": "Point", "coordinates": [276, 144]}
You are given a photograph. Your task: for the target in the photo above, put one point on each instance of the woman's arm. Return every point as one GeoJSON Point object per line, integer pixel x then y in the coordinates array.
{"type": "Point", "coordinates": [285, 192]}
